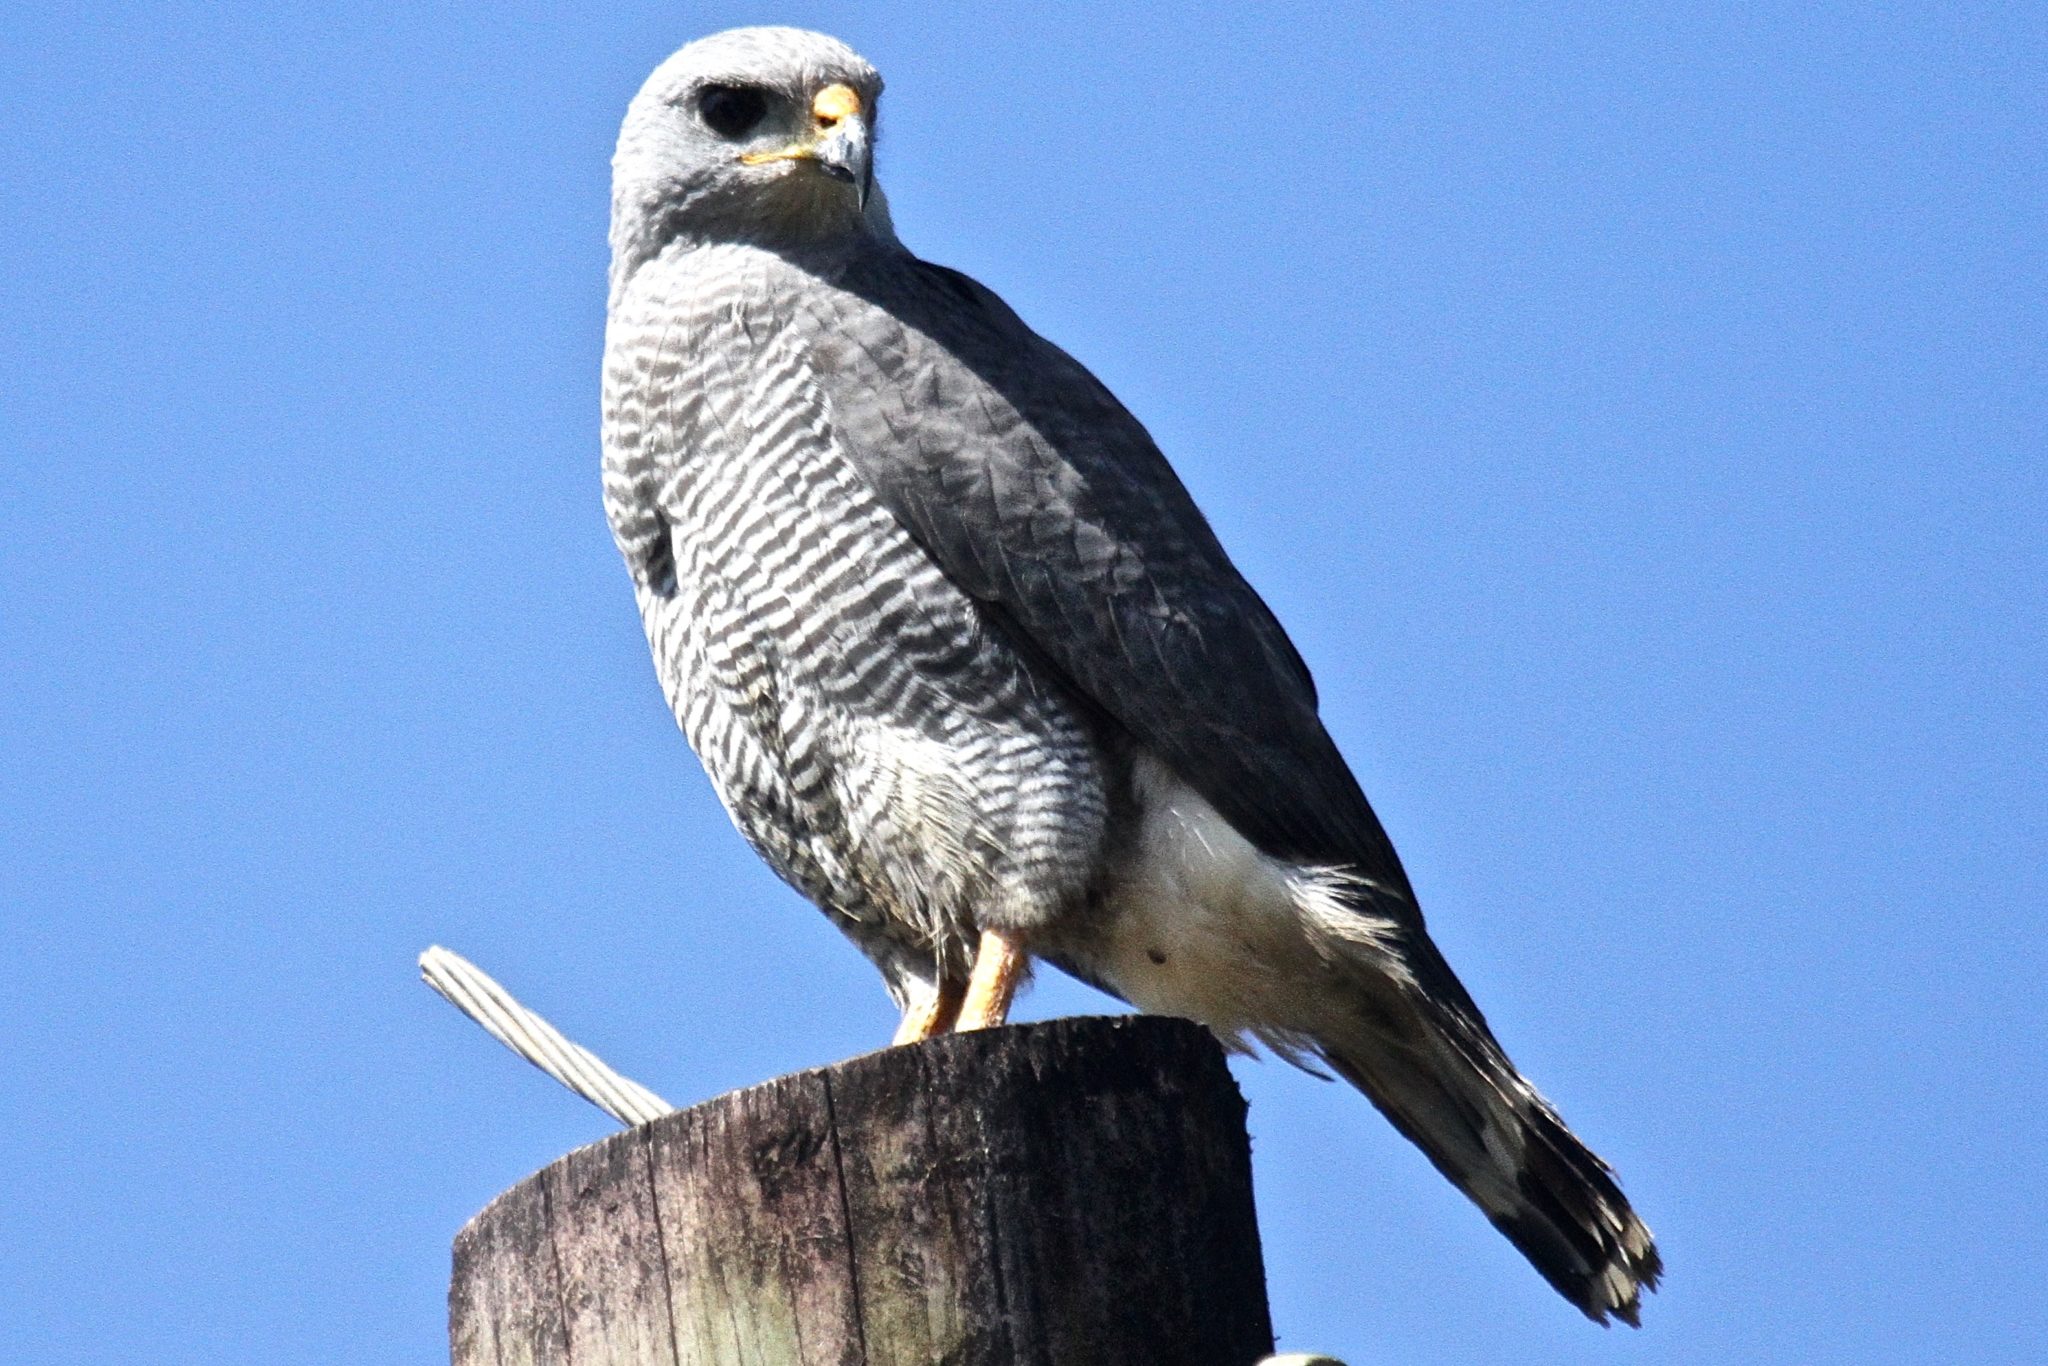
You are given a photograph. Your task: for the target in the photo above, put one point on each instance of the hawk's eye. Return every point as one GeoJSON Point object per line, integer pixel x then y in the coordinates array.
{"type": "Point", "coordinates": [731, 111]}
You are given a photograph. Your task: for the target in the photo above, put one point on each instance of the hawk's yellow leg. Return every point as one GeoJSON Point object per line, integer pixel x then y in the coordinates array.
{"type": "Point", "coordinates": [999, 966]}
{"type": "Point", "coordinates": [935, 1016]}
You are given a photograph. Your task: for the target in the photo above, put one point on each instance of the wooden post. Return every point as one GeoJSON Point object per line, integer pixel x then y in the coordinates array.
{"type": "Point", "coordinates": [1076, 1193]}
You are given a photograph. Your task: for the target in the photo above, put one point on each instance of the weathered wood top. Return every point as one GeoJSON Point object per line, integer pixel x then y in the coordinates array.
{"type": "Point", "coordinates": [1067, 1193]}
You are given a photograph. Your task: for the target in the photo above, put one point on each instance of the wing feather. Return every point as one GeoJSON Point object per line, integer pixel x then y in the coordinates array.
{"type": "Point", "coordinates": [1040, 495]}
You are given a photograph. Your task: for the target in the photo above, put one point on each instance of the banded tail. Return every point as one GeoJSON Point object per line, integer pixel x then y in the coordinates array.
{"type": "Point", "coordinates": [1438, 1075]}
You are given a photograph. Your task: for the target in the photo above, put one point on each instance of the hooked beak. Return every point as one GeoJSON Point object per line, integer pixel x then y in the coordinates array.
{"type": "Point", "coordinates": [837, 142]}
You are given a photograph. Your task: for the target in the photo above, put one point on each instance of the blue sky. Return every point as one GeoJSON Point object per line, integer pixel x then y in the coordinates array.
{"type": "Point", "coordinates": [1635, 412]}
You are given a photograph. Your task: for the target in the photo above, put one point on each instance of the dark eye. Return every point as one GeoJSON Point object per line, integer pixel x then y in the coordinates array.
{"type": "Point", "coordinates": [731, 111]}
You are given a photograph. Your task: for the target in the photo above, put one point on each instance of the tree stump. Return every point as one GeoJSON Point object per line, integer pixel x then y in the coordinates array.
{"type": "Point", "coordinates": [1069, 1193]}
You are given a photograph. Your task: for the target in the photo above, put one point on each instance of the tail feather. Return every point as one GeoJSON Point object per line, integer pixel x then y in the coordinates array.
{"type": "Point", "coordinates": [1443, 1081]}
{"type": "Point", "coordinates": [1321, 961]}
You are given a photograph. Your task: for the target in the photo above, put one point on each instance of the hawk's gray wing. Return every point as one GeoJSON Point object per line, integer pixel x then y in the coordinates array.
{"type": "Point", "coordinates": [1042, 497]}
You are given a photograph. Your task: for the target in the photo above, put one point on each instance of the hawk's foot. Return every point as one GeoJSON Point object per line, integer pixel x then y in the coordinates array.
{"type": "Point", "coordinates": [935, 1016]}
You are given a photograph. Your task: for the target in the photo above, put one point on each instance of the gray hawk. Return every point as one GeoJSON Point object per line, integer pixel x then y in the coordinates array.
{"type": "Point", "coordinates": [967, 666]}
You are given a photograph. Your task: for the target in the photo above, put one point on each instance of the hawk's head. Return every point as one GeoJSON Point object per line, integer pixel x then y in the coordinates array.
{"type": "Point", "coordinates": [754, 134]}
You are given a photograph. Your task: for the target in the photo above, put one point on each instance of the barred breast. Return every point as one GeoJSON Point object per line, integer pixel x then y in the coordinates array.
{"type": "Point", "coordinates": [870, 731]}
